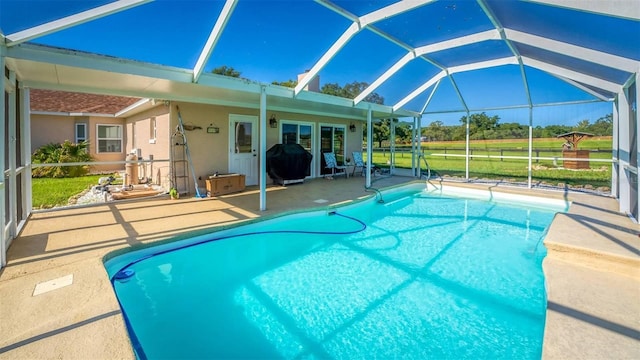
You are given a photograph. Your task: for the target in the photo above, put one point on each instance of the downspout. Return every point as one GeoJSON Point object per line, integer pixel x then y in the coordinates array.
{"type": "Point", "coordinates": [263, 148]}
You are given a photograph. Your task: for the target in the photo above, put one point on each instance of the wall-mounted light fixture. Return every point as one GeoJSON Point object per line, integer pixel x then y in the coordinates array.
{"type": "Point", "coordinates": [352, 127]}
{"type": "Point", "coordinates": [273, 122]}
{"type": "Point", "coordinates": [212, 129]}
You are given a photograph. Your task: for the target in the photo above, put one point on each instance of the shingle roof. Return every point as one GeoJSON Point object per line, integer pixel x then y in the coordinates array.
{"type": "Point", "coordinates": [72, 102]}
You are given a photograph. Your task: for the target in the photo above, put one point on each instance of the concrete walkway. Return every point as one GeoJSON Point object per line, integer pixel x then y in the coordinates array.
{"type": "Point", "coordinates": [592, 269]}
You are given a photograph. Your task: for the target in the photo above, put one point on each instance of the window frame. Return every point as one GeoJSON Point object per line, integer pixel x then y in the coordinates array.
{"type": "Point", "coordinates": [98, 138]}
{"type": "Point", "coordinates": [76, 132]}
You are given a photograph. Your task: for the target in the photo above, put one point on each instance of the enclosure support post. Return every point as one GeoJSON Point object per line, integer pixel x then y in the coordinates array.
{"type": "Point", "coordinates": [11, 138]}
{"type": "Point", "coordinates": [369, 147]}
{"type": "Point", "coordinates": [414, 149]}
{"type": "Point", "coordinates": [392, 146]}
{"type": "Point", "coordinates": [25, 130]}
{"type": "Point", "coordinates": [530, 145]}
{"type": "Point", "coordinates": [466, 166]}
{"type": "Point", "coordinates": [3, 137]}
{"type": "Point", "coordinates": [615, 152]}
{"type": "Point", "coordinates": [263, 148]}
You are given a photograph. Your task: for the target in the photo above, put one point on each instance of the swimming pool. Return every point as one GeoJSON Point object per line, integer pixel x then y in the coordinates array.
{"type": "Point", "coordinates": [426, 274]}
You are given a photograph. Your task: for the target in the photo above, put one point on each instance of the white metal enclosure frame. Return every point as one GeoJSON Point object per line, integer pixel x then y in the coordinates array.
{"type": "Point", "coordinates": [36, 66]}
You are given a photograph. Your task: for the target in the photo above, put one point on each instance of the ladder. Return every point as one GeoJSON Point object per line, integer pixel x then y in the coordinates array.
{"type": "Point", "coordinates": [181, 162]}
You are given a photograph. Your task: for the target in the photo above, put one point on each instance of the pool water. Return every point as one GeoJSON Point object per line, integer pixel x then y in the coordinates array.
{"type": "Point", "coordinates": [428, 276]}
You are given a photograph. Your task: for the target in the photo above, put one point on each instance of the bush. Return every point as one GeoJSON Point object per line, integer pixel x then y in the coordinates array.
{"type": "Point", "coordinates": [66, 152]}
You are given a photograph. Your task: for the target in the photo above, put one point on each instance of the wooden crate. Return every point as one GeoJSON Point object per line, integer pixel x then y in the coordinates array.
{"type": "Point", "coordinates": [575, 154]}
{"type": "Point", "coordinates": [224, 184]}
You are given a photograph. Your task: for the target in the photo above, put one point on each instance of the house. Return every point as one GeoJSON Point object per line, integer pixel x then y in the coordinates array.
{"type": "Point", "coordinates": [58, 116]}
{"type": "Point", "coordinates": [222, 139]}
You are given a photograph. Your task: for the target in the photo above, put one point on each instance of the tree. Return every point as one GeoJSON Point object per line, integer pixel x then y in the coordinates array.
{"type": "Point", "coordinates": [403, 132]}
{"type": "Point", "coordinates": [381, 131]}
{"type": "Point", "coordinates": [603, 126]}
{"type": "Point", "coordinates": [289, 83]}
{"type": "Point", "coordinates": [350, 91]}
{"type": "Point", "coordinates": [437, 131]}
{"type": "Point", "coordinates": [583, 126]}
{"type": "Point", "coordinates": [226, 71]}
{"type": "Point", "coordinates": [66, 152]}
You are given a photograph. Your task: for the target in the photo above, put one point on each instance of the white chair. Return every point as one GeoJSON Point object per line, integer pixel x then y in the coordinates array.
{"type": "Point", "coordinates": [332, 164]}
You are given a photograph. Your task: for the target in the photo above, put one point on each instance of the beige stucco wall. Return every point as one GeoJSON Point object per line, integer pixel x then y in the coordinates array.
{"type": "Point", "coordinates": [139, 136]}
{"type": "Point", "coordinates": [46, 129]}
{"type": "Point", "coordinates": [93, 144]}
{"type": "Point", "coordinates": [210, 152]}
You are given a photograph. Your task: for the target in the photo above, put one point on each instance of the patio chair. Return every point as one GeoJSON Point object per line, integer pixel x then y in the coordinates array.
{"type": "Point", "coordinates": [332, 164]}
{"type": "Point", "coordinates": [358, 163]}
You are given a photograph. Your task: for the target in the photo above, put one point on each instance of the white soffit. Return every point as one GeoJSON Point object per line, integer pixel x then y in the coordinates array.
{"type": "Point", "coordinates": [70, 21]}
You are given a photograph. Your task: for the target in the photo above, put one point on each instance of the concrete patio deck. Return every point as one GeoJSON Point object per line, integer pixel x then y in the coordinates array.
{"type": "Point", "coordinates": [592, 269]}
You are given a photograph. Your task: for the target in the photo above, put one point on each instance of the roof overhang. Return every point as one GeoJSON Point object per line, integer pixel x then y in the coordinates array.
{"type": "Point", "coordinates": [45, 67]}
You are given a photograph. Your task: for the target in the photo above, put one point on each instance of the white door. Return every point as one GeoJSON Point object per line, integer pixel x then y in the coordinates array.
{"type": "Point", "coordinates": [243, 147]}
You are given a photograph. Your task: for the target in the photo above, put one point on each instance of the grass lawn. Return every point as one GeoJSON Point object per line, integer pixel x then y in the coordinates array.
{"type": "Point", "coordinates": [544, 171]}
{"type": "Point", "coordinates": [49, 192]}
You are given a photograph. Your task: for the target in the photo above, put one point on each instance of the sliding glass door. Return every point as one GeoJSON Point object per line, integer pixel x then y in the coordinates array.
{"type": "Point", "coordinates": [332, 139]}
{"type": "Point", "coordinates": [294, 132]}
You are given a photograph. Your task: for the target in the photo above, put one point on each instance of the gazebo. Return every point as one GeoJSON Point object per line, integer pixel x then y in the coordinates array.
{"type": "Point", "coordinates": [571, 151]}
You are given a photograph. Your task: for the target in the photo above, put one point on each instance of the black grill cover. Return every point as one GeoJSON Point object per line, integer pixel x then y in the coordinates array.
{"type": "Point", "coordinates": [288, 162]}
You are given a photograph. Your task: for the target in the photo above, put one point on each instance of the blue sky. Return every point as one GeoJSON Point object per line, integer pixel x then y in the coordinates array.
{"type": "Point", "coordinates": [274, 40]}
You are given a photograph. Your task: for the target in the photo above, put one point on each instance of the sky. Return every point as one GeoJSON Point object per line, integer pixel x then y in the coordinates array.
{"type": "Point", "coordinates": [275, 40]}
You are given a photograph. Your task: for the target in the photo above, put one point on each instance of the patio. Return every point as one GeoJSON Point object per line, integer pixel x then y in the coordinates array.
{"type": "Point", "coordinates": [592, 268]}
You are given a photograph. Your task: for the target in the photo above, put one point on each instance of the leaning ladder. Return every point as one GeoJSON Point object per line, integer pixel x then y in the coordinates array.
{"type": "Point", "coordinates": [180, 131]}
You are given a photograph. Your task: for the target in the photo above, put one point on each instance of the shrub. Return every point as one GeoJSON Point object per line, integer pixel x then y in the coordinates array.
{"type": "Point", "coordinates": [66, 152]}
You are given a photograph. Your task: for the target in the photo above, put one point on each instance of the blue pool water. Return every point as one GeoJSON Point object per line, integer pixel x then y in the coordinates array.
{"type": "Point", "coordinates": [420, 276]}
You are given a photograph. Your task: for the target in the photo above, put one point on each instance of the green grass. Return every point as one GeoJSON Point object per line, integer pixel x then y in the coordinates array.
{"type": "Point", "coordinates": [49, 192]}
{"type": "Point", "coordinates": [544, 171]}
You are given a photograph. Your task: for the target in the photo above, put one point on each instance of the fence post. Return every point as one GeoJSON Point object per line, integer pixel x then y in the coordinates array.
{"type": "Point", "coordinates": [501, 154]}
{"type": "Point", "coordinates": [445, 153]}
{"type": "Point", "coordinates": [537, 156]}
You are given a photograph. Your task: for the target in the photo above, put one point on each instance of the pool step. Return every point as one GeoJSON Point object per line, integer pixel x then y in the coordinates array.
{"type": "Point", "coordinates": [599, 260]}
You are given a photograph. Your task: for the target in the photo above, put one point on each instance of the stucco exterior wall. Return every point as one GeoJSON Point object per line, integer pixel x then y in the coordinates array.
{"type": "Point", "coordinates": [46, 129]}
{"type": "Point", "coordinates": [140, 135]}
{"type": "Point", "coordinates": [92, 129]}
{"type": "Point", "coordinates": [210, 152]}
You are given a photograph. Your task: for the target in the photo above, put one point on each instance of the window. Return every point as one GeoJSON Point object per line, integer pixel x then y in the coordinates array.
{"type": "Point", "coordinates": [109, 138]}
{"type": "Point", "coordinates": [153, 130]}
{"type": "Point", "coordinates": [81, 132]}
